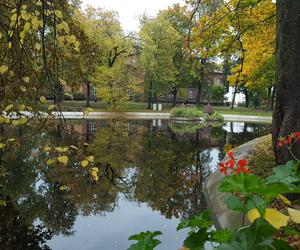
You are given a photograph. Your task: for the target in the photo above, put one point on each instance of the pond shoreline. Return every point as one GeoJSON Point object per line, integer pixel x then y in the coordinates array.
{"type": "Point", "coordinates": [152, 115]}
{"type": "Point", "coordinates": [222, 216]}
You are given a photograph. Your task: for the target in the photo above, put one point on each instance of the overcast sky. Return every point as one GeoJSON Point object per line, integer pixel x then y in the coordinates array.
{"type": "Point", "coordinates": [130, 10]}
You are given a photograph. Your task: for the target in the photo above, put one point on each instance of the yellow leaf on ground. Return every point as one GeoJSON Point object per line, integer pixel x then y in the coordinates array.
{"type": "Point", "coordinates": [9, 107]}
{"type": "Point", "coordinates": [2, 145]}
{"type": "Point", "coordinates": [4, 119]}
{"type": "Point", "coordinates": [50, 107]}
{"type": "Point", "coordinates": [43, 99]}
{"type": "Point", "coordinates": [3, 69]}
{"type": "Point", "coordinates": [50, 161]}
{"type": "Point", "coordinates": [274, 217]}
{"type": "Point", "coordinates": [61, 149]}
{"type": "Point", "coordinates": [90, 158]}
{"type": "Point", "coordinates": [84, 163]}
{"type": "Point", "coordinates": [26, 79]}
{"type": "Point", "coordinates": [284, 200]}
{"type": "Point", "coordinates": [63, 187]}
{"type": "Point", "coordinates": [47, 149]}
{"type": "Point", "coordinates": [294, 215]}
{"type": "Point", "coordinates": [21, 107]}
{"type": "Point", "coordinates": [63, 159]}
{"type": "Point", "coordinates": [94, 173]}
{"type": "Point", "coordinates": [95, 170]}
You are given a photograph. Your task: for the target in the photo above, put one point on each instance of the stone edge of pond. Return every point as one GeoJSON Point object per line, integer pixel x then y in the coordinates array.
{"type": "Point", "coordinates": [152, 115]}
{"type": "Point", "coordinates": [221, 215]}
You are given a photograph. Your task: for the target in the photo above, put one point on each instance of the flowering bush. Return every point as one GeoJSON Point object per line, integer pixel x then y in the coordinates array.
{"type": "Point", "coordinates": [289, 141]}
{"type": "Point", "coordinates": [233, 166]}
{"type": "Point", "coordinates": [259, 195]}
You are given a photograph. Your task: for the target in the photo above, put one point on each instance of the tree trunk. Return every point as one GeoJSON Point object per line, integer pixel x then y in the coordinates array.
{"type": "Point", "coordinates": [150, 95]}
{"type": "Point", "coordinates": [247, 101]}
{"type": "Point", "coordinates": [199, 90]}
{"type": "Point", "coordinates": [269, 98]}
{"type": "Point", "coordinates": [234, 95]}
{"type": "Point", "coordinates": [273, 97]}
{"type": "Point", "coordinates": [174, 92]}
{"type": "Point", "coordinates": [88, 94]}
{"type": "Point", "coordinates": [286, 116]}
{"type": "Point", "coordinates": [201, 76]}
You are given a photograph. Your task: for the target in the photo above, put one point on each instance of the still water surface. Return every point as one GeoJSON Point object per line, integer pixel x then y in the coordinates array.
{"type": "Point", "coordinates": [151, 177]}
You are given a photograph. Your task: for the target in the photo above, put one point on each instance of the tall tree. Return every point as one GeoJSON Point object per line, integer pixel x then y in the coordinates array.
{"type": "Point", "coordinates": [202, 41]}
{"type": "Point", "coordinates": [159, 40]}
{"type": "Point", "coordinates": [286, 116]}
{"type": "Point", "coordinates": [179, 17]}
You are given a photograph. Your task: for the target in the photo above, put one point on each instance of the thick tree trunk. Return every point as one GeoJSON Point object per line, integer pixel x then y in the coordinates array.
{"type": "Point", "coordinates": [88, 94]}
{"type": "Point", "coordinates": [286, 116]}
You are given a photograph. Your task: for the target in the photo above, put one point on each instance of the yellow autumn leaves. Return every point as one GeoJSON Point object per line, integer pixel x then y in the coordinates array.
{"type": "Point", "coordinates": [64, 159]}
{"type": "Point", "coordinates": [275, 217]}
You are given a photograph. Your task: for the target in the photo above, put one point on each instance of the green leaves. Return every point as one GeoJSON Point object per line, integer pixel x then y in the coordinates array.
{"type": "Point", "coordinates": [286, 174]}
{"type": "Point", "coordinates": [202, 221]}
{"type": "Point", "coordinates": [235, 204]}
{"type": "Point", "coordinates": [244, 183]}
{"type": "Point", "coordinates": [196, 240]}
{"type": "Point", "coordinates": [258, 236]}
{"type": "Point", "coordinates": [146, 240]}
{"type": "Point", "coordinates": [201, 231]}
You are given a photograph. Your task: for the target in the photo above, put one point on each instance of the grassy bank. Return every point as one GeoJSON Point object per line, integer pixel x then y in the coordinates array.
{"type": "Point", "coordinates": [142, 107]}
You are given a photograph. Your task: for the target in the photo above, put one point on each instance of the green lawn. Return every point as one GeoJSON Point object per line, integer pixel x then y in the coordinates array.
{"type": "Point", "coordinates": [142, 107]}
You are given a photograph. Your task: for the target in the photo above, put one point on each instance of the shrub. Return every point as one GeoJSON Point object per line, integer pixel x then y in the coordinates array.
{"type": "Point", "coordinates": [262, 156]}
{"type": "Point", "coordinates": [214, 117]}
{"type": "Point", "coordinates": [217, 93]}
{"type": "Point", "coordinates": [68, 96]}
{"type": "Point", "coordinates": [186, 112]}
{"type": "Point", "coordinates": [79, 96]}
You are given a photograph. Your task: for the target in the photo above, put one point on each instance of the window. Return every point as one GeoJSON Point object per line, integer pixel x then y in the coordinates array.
{"type": "Point", "coordinates": [93, 91]}
{"type": "Point", "coordinates": [129, 92]}
{"type": "Point", "coordinates": [191, 94]}
{"type": "Point", "coordinates": [218, 81]}
{"type": "Point", "coordinates": [92, 128]}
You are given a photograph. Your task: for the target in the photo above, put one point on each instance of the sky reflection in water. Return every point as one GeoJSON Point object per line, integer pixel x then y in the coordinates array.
{"type": "Point", "coordinates": [165, 165]}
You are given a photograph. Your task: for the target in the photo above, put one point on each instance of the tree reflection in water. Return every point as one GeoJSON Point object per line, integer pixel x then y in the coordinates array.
{"type": "Point", "coordinates": [143, 161]}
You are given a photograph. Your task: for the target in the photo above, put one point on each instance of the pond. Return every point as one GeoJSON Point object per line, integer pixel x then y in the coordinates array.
{"type": "Point", "coordinates": [151, 175]}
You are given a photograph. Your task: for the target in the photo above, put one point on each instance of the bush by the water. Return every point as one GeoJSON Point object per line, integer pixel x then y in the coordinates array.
{"type": "Point", "coordinates": [186, 112]}
{"type": "Point", "coordinates": [214, 117]}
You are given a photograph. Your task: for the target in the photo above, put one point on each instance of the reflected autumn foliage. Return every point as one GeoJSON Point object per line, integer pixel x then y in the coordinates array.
{"type": "Point", "coordinates": [143, 161]}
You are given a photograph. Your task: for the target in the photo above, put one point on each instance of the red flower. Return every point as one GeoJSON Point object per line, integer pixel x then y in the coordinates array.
{"type": "Point", "coordinates": [230, 163]}
{"type": "Point", "coordinates": [296, 135]}
{"type": "Point", "coordinates": [242, 163]}
{"type": "Point", "coordinates": [230, 154]}
{"type": "Point", "coordinates": [223, 168]}
{"type": "Point", "coordinates": [288, 140]}
{"type": "Point", "coordinates": [280, 143]}
{"type": "Point", "coordinates": [242, 170]}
